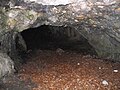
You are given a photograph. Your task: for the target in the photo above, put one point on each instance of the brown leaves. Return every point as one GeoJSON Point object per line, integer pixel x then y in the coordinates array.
{"type": "Point", "coordinates": [51, 71]}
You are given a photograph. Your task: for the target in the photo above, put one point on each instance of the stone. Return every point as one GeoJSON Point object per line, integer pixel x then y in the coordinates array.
{"type": "Point", "coordinates": [60, 51]}
{"type": "Point", "coordinates": [6, 65]}
{"type": "Point", "coordinates": [115, 71]}
{"type": "Point", "coordinates": [105, 83]}
{"type": "Point", "coordinates": [14, 46]}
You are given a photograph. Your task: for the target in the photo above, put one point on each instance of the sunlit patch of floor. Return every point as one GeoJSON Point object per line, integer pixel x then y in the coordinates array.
{"type": "Point", "coordinates": [52, 70]}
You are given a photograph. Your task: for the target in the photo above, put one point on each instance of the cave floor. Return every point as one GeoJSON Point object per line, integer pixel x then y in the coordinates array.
{"type": "Point", "coordinates": [58, 70]}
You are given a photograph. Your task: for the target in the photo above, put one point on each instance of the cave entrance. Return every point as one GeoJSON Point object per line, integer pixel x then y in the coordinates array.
{"type": "Point", "coordinates": [47, 37]}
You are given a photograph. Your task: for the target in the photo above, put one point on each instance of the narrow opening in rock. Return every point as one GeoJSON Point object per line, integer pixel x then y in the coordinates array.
{"type": "Point", "coordinates": [54, 37]}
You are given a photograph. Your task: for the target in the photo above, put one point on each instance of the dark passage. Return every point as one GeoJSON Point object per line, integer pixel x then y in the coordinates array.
{"type": "Point", "coordinates": [53, 37]}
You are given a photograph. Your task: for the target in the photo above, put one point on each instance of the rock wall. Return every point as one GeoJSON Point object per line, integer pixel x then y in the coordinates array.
{"type": "Point", "coordinates": [6, 65]}
{"type": "Point", "coordinates": [96, 20]}
{"type": "Point", "coordinates": [14, 46]}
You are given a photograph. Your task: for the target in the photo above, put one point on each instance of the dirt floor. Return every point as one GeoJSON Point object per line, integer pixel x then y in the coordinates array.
{"type": "Point", "coordinates": [60, 70]}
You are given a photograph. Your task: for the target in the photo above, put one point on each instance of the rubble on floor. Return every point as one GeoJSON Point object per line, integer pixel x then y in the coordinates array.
{"type": "Point", "coordinates": [50, 70]}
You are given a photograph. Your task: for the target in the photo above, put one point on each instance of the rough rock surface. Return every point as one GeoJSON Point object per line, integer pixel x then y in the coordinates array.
{"type": "Point", "coordinates": [97, 20]}
{"type": "Point", "coordinates": [6, 65]}
{"type": "Point", "coordinates": [14, 46]}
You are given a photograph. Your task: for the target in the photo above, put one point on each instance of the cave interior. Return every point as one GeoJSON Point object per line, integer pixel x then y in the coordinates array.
{"type": "Point", "coordinates": [48, 37]}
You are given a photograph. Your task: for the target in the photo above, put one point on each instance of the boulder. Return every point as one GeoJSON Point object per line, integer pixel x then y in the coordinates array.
{"type": "Point", "coordinates": [6, 65]}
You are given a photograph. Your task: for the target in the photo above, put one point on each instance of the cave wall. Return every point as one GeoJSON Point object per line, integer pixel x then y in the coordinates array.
{"type": "Point", "coordinates": [98, 22]}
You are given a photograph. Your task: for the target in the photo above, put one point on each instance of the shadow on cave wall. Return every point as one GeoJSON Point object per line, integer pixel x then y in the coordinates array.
{"type": "Point", "coordinates": [52, 37]}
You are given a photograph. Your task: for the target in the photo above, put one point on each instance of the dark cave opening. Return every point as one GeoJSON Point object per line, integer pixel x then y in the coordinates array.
{"type": "Point", "coordinates": [47, 37]}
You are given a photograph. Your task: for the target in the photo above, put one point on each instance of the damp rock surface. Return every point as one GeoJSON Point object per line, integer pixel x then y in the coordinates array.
{"type": "Point", "coordinates": [50, 70]}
